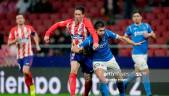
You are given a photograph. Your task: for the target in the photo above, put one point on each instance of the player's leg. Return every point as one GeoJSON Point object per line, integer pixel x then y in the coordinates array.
{"type": "Point", "coordinates": [28, 75]}
{"type": "Point", "coordinates": [88, 83]}
{"type": "Point", "coordinates": [72, 77]}
{"type": "Point", "coordinates": [133, 75]}
{"type": "Point", "coordinates": [87, 69]}
{"type": "Point", "coordinates": [99, 69]}
{"type": "Point", "coordinates": [141, 65]}
{"type": "Point", "coordinates": [74, 64]}
{"type": "Point", "coordinates": [118, 75]}
{"type": "Point", "coordinates": [145, 75]}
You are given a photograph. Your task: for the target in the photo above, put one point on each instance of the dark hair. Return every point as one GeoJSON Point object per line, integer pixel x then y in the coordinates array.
{"type": "Point", "coordinates": [136, 11]}
{"type": "Point", "coordinates": [81, 8]}
{"type": "Point", "coordinates": [98, 24]}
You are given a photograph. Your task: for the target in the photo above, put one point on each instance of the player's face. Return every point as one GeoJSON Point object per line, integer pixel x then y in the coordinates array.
{"type": "Point", "coordinates": [20, 19]}
{"type": "Point", "coordinates": [101, 31]}
{"type": "Point", "coordinates": [78, 15]}
{"type": "Point", "coordinates": [137, 18]}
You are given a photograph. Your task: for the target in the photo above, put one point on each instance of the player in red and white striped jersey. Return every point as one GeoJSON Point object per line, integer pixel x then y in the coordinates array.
{"type": "Point", "coordinates": [21, 35]}
{"type": "Point", "coordinates": [78, 27]}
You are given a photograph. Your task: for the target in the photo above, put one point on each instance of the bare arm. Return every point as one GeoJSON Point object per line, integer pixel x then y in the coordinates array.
{"type": "Point", "coordinates": [12, 42]}
{"type": "Point", "coordinates": [129, 41]}
{"type": "Point", "coordinates": [36, 39]}
{"type": "Point", "coordinates": [150, 35]}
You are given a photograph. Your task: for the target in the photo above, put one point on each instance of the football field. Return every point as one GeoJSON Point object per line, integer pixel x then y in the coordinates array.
{"type": "Point", "coordinates": [64, 94]}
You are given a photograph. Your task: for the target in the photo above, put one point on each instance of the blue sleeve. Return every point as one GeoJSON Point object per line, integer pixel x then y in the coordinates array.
{"type": "Point", "coordinates": [128, 31]}
{"type": "Point", "coordinates": [87, 42]}
{"type": "Point", "coordinates": [149, 29]}
{"type": "Point", "coordinates": [111, 34]}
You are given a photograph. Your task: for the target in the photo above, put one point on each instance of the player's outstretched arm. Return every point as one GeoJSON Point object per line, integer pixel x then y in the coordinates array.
{"type": "Point", "coordinates": [125, 39]}
{"type": "Point", "coordinates": [53, 28]}
{"type": "Point", "coordinates": [93, 33]}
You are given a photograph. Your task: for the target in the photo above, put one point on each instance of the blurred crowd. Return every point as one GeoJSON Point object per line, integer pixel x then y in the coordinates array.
{"type": "Point", "coordinates": [111, 10]}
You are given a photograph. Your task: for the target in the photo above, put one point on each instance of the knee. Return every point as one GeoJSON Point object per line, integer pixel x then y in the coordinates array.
{"type": "Point", "coordinates": [87, 77]}
{"type": "Point", "coordinates": [74, 67]}
{"type": "Point", "coordinates": [25, 70]}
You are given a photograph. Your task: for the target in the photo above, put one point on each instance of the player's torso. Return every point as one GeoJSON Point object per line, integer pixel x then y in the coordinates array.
{"type": "Point", "coordinates": [103, 53]}
{"type": "Point", "coordinates": [24, 46]}
{"type": "Point", "coordinates": [137, 35]}
{"type": "Point", "coordinates": [78, 32]}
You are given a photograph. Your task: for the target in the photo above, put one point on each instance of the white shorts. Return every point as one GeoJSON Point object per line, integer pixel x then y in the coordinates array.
{"type": "Point", "coordinates": [107, 64]}
{"type": "Point", "coordinates": [140, 61]}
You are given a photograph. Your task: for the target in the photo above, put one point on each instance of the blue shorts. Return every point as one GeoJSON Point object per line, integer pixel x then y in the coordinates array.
{"type": "Point", "coordinates": [26, 61]}
{"type": "Point", "coordinates": [85, 62]}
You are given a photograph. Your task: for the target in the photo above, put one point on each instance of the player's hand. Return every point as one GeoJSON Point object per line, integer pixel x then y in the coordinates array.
{"type": "Point", "coordinates": [46, 39]}
{"type": "Point", "coordinates": [38, 48]}
{"type": "Point", "coordinates": [139, 43]}
{"type": "Point", "coordinates": [146, 35]}
{"type": "Point", "coordinates": [95, 46]}
{"type": "Point", "coordinates": [75, 49]}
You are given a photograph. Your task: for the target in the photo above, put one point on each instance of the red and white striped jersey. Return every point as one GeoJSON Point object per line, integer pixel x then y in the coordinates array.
{"type": "Point", "coordinates": [24, 47]}
{"type": "Point", "coordinates": [78, 31]}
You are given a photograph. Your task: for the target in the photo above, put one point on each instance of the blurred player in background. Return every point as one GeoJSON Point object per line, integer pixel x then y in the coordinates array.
{"type": "Point", "coordinates": [79, 27]}
{"type": "Point", "coordinates": [103, 57]}
{"type": "Point", "coordinates": [20, 36]}
{"type": "Point", "coordinates": [139, 31]}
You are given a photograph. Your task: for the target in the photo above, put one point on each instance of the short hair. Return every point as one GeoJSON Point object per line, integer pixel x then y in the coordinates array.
{"type": "Point", "coordinates": [81, 8]}
{"type": "Point", "coordinates": [136, 11]}
{"type": "Point", "coordinates": [99, 24]}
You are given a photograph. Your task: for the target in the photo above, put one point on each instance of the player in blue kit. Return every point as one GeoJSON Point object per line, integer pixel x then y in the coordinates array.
{"type": "Point", "coordinates": [139, 31]}
{"type": "Point", "coordinates": [103, 57]}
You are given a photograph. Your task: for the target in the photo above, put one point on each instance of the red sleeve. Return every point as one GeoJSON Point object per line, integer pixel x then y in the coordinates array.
{"type": "Point", "coordinates": [32, 29]}
{"type": "Point", "coordinates": [11, 34]}
{"type": "Point", "coordinates": [91, 30]}
{"type": "Point", "coordinates": [55, 26]}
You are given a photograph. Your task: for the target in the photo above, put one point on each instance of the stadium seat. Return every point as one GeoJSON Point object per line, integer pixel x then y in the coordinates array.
{"type": "Point", "coordinates": [166, 9]}
{"type": "Point", "coordinates": [150, 16]}
{"type": "Point", "coordinates": [151, 52]}
{"type": "Point", "coordinates": [167, 52]}
{"type": "Point", "coordinates": [157, 10]}
{"type": "Point", "coordinates": [160, 52]}
{"type": "Point", "coordinates": [124, 52]}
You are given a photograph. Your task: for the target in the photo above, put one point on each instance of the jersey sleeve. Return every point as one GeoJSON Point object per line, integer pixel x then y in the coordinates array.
{"type": "Point", "coordinates": [11, 34]}
{"type": "Point", "coordinates": [149, 29]}
{"type": "Point", "coordinates": [87, 42]}
{"type": "Point", "coordinates": [33, 31]}
{"type": "Point", "coordinates": [111, 34]}
{"type": "Point", "coordinates": [56, 25]}
{"type": "Point", "coordinates": [128, 31]}
{"type": "Point", "coordinates": [91, 30]}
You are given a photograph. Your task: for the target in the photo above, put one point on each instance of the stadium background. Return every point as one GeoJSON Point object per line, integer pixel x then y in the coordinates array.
{"type": "Point", "coordinates": [51, 65]}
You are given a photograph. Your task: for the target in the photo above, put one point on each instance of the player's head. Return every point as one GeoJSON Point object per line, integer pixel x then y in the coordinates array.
{"type": "Point", "coordinates": [79, 13]}
{"type": "Point", "coordinates": [100, 27]}
{"type": "Point", "coordinates": [136, 16]}
{"type": "Point", "coordinates": [20, 20]}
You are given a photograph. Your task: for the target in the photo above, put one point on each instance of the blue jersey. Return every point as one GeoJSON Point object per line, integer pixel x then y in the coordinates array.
{"type": "Point", "coordinates": [136, 32]}
{"type": "Point", "coordinates": [103, 53]}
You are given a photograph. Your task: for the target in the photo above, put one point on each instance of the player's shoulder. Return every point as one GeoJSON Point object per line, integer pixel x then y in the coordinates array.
{"type": "Point", "coordinates": [131, 26]}
{"type": "Point", "coordinates": [146, 24]}
{"type": "Point", "coordinates": [86, 19]}
{"type": "Point", "coordinates": [107, 31]}
{"type": "Point", "coordinates": [29, 26]}
{"type": "Point", "coordinates": [13, 28]}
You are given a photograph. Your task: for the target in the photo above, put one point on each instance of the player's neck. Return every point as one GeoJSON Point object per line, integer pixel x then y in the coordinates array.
{"type": "Point", "coordinates": [139, 23]}
{"type": "Point", "coordinates": [21, 25]}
